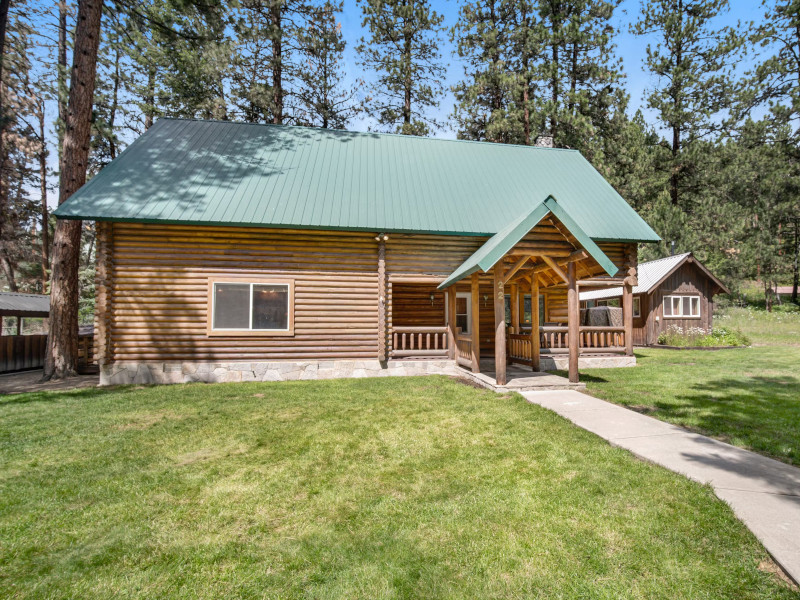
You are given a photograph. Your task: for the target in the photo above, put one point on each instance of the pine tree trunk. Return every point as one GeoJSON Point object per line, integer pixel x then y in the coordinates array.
{"type": "Point", "coordinates": [277, 66]}
{"type": "Point", "coordinates": [406, 62]}
{"type": "Point", "coordinates": [45, 255]}
{"type": "Point", "coordinates": [796, 265]}
{"type": "Point", "coordinates": [674, 193]}
{"type": "Point", "coordinates": [62, 341]}
{"type": "Point", "coordinates": [62, 74]}
{"type": "Point", "coordinates": [150, 99]}
{"type": "Point", "coordinates": [8, 268]}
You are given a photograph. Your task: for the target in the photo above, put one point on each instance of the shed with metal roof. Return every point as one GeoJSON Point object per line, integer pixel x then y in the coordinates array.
{"type": "Point", "coordinates": [676, 291]}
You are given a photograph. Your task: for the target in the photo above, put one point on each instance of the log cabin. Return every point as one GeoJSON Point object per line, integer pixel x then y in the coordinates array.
{"type": "Point", "coordinates": [677, 291]}
{"type": "Point", "coordinates": [232, 251]}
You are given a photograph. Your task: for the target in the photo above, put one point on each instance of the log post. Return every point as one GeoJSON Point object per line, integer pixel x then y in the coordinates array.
{"type": "Point", "coordinates": [499, 325]}
{"type": "Point", "coordinates": [451, 322]}
{"type": "Point", "coordinates": [381, 298]}
{"type": "Point", "coordinates": [475, 325]}
{"type": "Point", "coordinates": [627, 317]}
{"type": "Point", "coordinates": [535, 337]}
{"type": "Point", "coordinates": [573, 325]}
{"type": "Point", "coordinates": [514, 308]}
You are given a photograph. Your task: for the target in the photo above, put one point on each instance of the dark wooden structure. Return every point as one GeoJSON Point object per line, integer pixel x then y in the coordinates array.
{"type": "Point", "coordinates": [677, 291]}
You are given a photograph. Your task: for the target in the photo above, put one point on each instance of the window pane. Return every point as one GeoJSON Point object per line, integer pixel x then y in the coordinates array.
{"type": "Point", "coordinates": [526, 317]}
{"type": "Point", "coordinates": [508, 309]}
{"type": "Point", "coordinates": [695, 307]}
{"type": "Point", "coordinates": [461, 306]}
{"type": "Point", "coordinates": [676, 306]}
{"type": "Point", "coordinates": [637, 307]}
{"type": "Point", "coordinates": [668, 306]}
{"type": "Point", "coordinates": [270, 306]}
{"type": "Point", "coordinates": [687, 306]}
{"type": "Point", "coordinates": [231, 305]}
{"type": "Point", "coordinates": [541, 310]}
{"type": "Point", "coordinates": [461, 321]}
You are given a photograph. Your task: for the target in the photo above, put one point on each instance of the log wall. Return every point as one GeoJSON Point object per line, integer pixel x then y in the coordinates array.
{"type": "Point", "coordinates": [152, 290]}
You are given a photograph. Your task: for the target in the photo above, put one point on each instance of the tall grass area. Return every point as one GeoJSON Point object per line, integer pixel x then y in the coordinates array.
{"type": "Point", "coordinates": [781, 327]}
{"type": "Point", "coordinates": [383, 488]}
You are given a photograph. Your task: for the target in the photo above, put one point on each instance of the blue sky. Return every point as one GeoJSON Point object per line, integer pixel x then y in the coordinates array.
{"type": "Point", "coordinates": [630, 48]}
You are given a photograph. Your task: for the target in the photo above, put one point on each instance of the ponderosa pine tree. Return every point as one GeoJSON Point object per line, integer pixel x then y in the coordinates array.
{"type": "Point", "coordinates": [62, 340]}
{"type": "Point", "coordinates": [483, 35]}
{"type": "Point", "coordinates": [323, 100]}
{"type": "Point", "coordinates": [693, 62]}
{"type": "Point", "coordinates": [774, 84]}
{"type": "Point", "coordinates": [402, 50]}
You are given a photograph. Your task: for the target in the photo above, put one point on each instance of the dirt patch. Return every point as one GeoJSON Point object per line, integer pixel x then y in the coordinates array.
{"type": "Point", "coordinates": [642, 408]}
{"type": "Point", "coordinates": [148, 420]}
{"type": "Point", "coordinates": [468, 382]}
{"type": "Point", "coordinates": [771, 567]}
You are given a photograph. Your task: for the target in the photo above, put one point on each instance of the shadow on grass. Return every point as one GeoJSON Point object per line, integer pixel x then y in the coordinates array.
{"type": "Point", "coordinates": [761, 413]}
{"type": "Point", "coordinates": [88, 393]}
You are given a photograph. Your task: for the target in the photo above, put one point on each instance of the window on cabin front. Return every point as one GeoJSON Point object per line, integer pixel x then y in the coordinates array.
{"type": "Point", "coordinates": [681, 306]}
{"type": "Point", "coordinates": [251, 307]}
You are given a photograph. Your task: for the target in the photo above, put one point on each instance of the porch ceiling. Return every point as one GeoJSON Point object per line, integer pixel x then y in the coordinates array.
{"type": "Point", "coordinates": [539, 243]}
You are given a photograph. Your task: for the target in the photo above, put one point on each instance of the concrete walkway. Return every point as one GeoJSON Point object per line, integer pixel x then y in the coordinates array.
{"type": "Point", "coordinates": [763, 493]}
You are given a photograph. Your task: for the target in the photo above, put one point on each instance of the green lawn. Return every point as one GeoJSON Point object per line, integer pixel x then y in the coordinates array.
{"type": "Point", "coordinates": [385, 488]}
{"type": "Point", "coordinates": [748, 397]}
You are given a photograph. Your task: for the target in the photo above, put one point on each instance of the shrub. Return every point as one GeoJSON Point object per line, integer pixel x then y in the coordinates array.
{"type": "Point", "coordinates": [696, 336]}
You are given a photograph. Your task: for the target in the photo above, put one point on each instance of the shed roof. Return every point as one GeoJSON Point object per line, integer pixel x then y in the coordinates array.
{"type": "Point", "coordinates": [223, 173]}
{"type": "Point", "coordinates": [650, 274]}
{"type": "Point", "coordinates": [24, 305]}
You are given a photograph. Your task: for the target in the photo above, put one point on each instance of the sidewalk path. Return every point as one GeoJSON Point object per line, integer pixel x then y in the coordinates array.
{"type": "Point", "coordinates": [763, 493]}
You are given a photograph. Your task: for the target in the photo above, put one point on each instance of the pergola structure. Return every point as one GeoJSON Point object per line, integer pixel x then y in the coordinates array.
{"type": "Point", "coordinates": [542, 249]}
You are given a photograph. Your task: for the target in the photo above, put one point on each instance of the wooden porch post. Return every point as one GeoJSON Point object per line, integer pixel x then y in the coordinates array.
{"type": "Point", "coordinates": [451, 322]}
{"type": "Point", "coordinates": [514, 308]}
{"type": "Point", "coordinates": [535, 337]}
{"type": "Point", "coordinates": [573, 315]}
{"type": "Point", "coordinates": [627, 317]}
{"type": "Point", "coordinates": [499, 325]}
{"type": "Point", "coordinates": [475, 327]}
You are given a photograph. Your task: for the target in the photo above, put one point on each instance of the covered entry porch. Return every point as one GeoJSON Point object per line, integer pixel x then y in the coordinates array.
{"type": "Point", "coordinates": [514, 303]}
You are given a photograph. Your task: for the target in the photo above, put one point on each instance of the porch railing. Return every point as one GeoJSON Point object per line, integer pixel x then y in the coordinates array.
{"type": "Point", "coordinates": [464, 349]}
{"type": "Point", "coordinates": [423, 342]}
{"type": "Point", "coordinates": [555, 340]}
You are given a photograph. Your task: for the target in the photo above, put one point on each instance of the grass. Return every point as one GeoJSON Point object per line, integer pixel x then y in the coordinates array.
{"type": "Point", "coordinates": [747, 397]}
{"type": "Point", "coordinates": [385, 488]}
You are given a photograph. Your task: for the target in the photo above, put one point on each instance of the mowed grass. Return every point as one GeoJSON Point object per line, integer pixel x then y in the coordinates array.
{"type": "Point", "coordinates": [748, 397]}
{"type": "Point", "coordinates": [383, 488]}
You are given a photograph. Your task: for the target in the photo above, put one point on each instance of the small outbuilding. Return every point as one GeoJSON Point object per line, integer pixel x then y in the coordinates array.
{"type": "Point", "coordinates": [677, 291]}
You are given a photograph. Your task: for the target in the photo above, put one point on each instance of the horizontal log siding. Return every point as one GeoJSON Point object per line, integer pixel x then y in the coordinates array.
{"type": "Point", "coordinates": [440, 255]}
{"type": "Point", "coordinates": [159, 292]}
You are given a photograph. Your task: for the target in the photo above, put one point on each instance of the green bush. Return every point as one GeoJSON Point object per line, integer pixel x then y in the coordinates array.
{"type": "Point", "coordinates": [695, 336]}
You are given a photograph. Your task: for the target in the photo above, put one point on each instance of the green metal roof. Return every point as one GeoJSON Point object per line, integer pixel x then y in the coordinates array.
{"type": "Point", "coordinates": [497, 246]}
{"type": "Point", "coordinates": [223, 173]}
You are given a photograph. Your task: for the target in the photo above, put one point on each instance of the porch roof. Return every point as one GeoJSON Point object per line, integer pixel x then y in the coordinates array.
{"type": "Point", "coordinates": [497, 246]}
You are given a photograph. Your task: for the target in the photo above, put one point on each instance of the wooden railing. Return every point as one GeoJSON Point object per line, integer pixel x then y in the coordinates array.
{"type": "Point", "coordinates": [418, 342]}
{"type": "Point", "coordinates": [464, 349]}
{"type": "Point", "coordinates": [519, 348]}
{"type": "Point", "coordinates": [607, 339]}
{"type": "Point", "coordinates": [21, 352]}
{"type": "Point", "coordinates": [554, 339]}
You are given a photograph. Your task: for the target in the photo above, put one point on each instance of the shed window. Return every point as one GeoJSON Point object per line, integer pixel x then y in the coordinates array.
{"type": "Point", "coordinates": [251, 307]}
{"type": "Point", "coordinates": [637, 306]}
{"type": "Point", "coordinates": [681, 306]}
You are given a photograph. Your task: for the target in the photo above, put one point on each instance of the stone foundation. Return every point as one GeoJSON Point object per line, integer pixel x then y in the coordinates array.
{"type": "Point", "coordinates": [561, 362]}
{"type": "Point", "coordinates": [218, 372]}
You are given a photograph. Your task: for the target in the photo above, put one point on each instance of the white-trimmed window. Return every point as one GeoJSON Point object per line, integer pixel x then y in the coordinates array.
{"type": "Point", "coordinates": [681, 307]}
{"type": "Point", "coordinates": [637, 307]}
{"type": "Point", "coordinates": [251, 307]}
{"type": "Point", "coordinates": [464, 311]}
